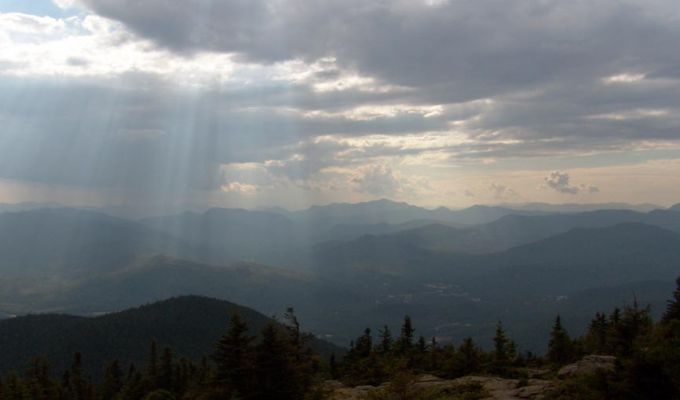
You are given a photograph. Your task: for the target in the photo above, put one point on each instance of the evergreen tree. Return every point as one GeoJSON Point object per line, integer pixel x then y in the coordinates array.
{"type": "Point", "coordinates": [333, 370]}
{"type": "Point", "coordinates": [152, 365]}
{"type": "Point", "coordinates": [135, 386]}
{"type": "Point", "coordinates": [274, 369]}
{"type": "Point", "coordinates": [113, 381]}
{"type": "Point", "coordinates": [434, 355]}
{"type": "Point", "coordinates": [14, 389]}
{"type": "Point", "coordinates": [233, 357]}
{"type": "Point", "coordinates": [467, 359]}
{"type": "Point", "coordinates": [38, 381]}
{"type": "Point", "coordinates": [598, 332]}
{"type": "Point", "coordinates": [305, 360]}
{"type": "Point", "coordinates": [203, 372]}
{"type": "Point", "coordinates": [560, 345]}
{"type": "Point", "coordinates": [166, 371]}
{"type": "Point", "coordinates": [385, 345]}
{"type": "Point", "coordinates": [673, 308]}
{"type": "Point", "coordinates": [293, 327]}
{"type": "Point", "coordinates": [362, 364]}
{"type": "Point", "coordinates": [75, 383]}
{"type": "Point", "coordinates": [421, 345]}
{"type": "Point", "coordinates": [364, 345]}
{"type": "Point", "coordinates": [502, 350]}
{"type": "Point", "coordinates": [405, 341]}
{"type": "Point", "coordinates": [634, 323]}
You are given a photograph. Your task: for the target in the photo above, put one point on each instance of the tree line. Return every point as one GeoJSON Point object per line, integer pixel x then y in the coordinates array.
{"type": "Point", "coordinates": [280, 364]}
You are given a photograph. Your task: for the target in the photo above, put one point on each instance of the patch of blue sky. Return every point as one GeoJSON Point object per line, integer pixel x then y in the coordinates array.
{"type": "Point", "coordinates": [38, 7]}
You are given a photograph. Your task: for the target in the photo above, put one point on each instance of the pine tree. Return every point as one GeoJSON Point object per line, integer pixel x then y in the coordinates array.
{"type": "Point", "coordinates": [385, 345]}
{"type": "Point", "coordinates": [560, 345]}
{"type": "Point", "coordinates": [333, 370]}
{"type": "Point", "coordinates": [135, 386]}
{"type": "Point", "coordinates": [306, 361]}
{"type": "Point", "coordinates": [15, 389]}
{"type": "Point", "coordinates": [293, 327]}
{"type": "Point", "coordinates": [673, 308]}
{"type": "Point", "coordinates": [39, 383]}
{"type": "Point", "coordinates": [468, 358]}
{"type": "Point", "coordinates": [152, 365]}
{"type": "Point", "coordinates": [434, 355]}
{"type": "Point", "coordinates": [166, 380]}
{"type": "Point", "coordinates": [364, 345]}
{"type": "Point", "coordinates": [274, 369]}
{"type": "Point", "coordinates": [113, 381]}
{"type": "Point", "coordinates": [501, 353]}
{"type": "Point", "coordinates": [75, 383]}
{"type": "Point", "coordinates": [598, 332]}
{"type": "Point", "coordinates": [421, 345]}
{"type": "Point", "coordinates": [633, 323]}
{"type": "Point", "coordinates": [233, 357]}
{"type": "Point", "coordinates": [405, 341]}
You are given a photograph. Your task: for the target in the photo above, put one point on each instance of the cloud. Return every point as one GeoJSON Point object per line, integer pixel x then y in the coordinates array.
{"type": "Point", "coordinates": [542, 70]}
{"type": "Point", "coordinates": [502, 192]}
{"type": "Point", "coordinates": [64, 4]}
{"type": "Point", "coordinates": [160, 97]}
{"type": "Point", "coordinates": [412, 42]}
{"type": "Point", "coordinates": [561, 182]}
{"type": "Point", "coordinates": [238, 187]}
{"type": "Point", "coordinates": [378, 180]}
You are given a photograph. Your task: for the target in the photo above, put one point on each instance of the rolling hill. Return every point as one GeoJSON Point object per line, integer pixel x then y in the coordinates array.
{"type": "Point", "coordinates": [230, 235]}
{"type": "Point", "coordinates": [75, 243]}
{"type": "Point", "coordinates": [281, 238]}
{"type": "Point", "coordinates": [516, 230]}
{"type": "Point", "coordinates": [459, 295]}
{"type": "Point", "coordinates": [644, 249]}
{"type": "Point", "coordinates": [189, 325]}
{"type": "Point", "coordinates": [390, 212]}
{"type": "Point", "coordinates": [267, 289]}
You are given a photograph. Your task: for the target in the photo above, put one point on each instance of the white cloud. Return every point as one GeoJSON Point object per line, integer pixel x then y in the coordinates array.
{"type": "Point", "coordinates": [64, 4]}
{"type": "Point", "coordinates": [561, 183]}
{"type": "Point", "coordinates": [238, 187]}
{"type": "Point", "coordinates": [624, 78]}
{"type": "Point", "coordinates": [502, 192]}
{"type": "Point", "coordinates": [378, 180]}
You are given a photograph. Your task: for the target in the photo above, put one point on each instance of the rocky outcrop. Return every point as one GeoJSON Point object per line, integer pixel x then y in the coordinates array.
{"type": "Point", "coordinates": [489, 388]}
{"type": "Point", "coordinates": [587, 365]}
{"type": "Point", "coordinates": [431, 387]}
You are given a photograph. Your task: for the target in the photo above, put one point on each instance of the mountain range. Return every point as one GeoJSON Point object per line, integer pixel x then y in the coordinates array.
{"type": "Point", "coordinates": [346, 267]}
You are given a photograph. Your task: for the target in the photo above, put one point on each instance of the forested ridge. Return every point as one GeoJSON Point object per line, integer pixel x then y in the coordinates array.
{"type": "Point", "coordinates": [280, 363]}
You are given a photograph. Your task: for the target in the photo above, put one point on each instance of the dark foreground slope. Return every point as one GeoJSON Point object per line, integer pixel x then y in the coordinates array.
{"type": "Point", "coordinates": [190, 325]}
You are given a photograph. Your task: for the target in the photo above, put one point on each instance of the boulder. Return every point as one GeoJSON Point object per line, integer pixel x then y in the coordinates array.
{"type": "Point", "coordinates": [588, 365]}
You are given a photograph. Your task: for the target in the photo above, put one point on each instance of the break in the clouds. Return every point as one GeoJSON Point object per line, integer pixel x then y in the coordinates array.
{"type": "Point", "coordinates": [290, 102]}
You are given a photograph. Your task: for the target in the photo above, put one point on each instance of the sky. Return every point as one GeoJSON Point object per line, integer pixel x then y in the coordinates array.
{"type": "Point", "coordinates": [252, 103]}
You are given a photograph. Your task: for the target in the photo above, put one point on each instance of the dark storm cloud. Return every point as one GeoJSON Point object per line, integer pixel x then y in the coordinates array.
{"type": "Point", "coordinates": [483, 47]}
{"type": "Point", "coordinates": [542, 62]}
